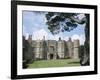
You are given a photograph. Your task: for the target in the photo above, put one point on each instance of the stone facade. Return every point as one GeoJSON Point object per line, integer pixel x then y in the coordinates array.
{"type": "Point", "coordinates": [75, 49]}
{"type": "Point", "coordinates": [52, 49]}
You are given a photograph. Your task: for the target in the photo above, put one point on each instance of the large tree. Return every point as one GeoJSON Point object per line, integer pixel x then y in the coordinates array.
{"type": "Point", "coordinates": [60, 22]}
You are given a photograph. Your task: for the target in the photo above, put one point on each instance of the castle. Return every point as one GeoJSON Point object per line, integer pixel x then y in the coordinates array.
{"type": "Point", "coordinates": [50, 49]}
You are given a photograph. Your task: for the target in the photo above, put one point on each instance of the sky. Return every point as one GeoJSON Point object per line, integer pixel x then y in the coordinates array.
{"type": "Point", "coordinates": [34, 23]}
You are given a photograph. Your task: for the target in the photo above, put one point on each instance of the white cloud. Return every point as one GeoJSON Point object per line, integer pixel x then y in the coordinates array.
{"type": "Point", "coordinates": [38, 35]}
{"type": "Point", "coordinates": [66, 38]}
{"type": "Point", "coordinates": [56, 37]}
{"type": "Point", "coordinates": [51, 37]}
{"type": "Point", "coordinates": [80, 37]}
{"type": "Point", "coordinates": [75, 36]}
{"type": "Point", "coordinates": [25, 33]}
{"type": "Point", "coordinates": [26, 36]}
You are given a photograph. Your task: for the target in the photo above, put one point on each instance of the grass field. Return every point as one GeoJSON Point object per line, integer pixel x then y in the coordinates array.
{"type": "Point", "coordinates": [54, 63]}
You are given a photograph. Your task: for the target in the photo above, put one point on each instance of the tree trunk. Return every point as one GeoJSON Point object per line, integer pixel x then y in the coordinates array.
{"type": "Point", "coordinates": [86, 56]}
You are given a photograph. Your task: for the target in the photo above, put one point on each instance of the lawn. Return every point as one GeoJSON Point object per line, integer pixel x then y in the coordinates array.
{"type": "Point", "coordinates": [54, 63]}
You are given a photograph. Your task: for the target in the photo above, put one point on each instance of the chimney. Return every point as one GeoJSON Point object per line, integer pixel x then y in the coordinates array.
{"type": "Point", "coordinates": [69, 39]}
{"type": "Point", "coordinates": [59, 38]}
{"type": "Point", "coordinates": [43, 37]}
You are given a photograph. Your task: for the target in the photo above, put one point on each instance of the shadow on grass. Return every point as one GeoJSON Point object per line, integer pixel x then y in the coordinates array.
{"type": "Point", "coordinates": [74, 63]}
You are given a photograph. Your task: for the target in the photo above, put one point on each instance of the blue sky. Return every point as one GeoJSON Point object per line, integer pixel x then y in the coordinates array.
{"type": "Point", "coordinates": [34, 23]}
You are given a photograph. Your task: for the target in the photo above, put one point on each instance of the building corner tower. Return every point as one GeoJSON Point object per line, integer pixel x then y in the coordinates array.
{"type": "Point", "coordinates": [76, 49]}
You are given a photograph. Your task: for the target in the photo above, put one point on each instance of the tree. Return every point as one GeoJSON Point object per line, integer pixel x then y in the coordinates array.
{"type": "Point", "coordinates": [60, 22]}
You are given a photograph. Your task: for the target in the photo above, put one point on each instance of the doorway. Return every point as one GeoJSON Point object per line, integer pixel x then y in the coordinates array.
{"type": "Point", "coordinates": [51, 56]}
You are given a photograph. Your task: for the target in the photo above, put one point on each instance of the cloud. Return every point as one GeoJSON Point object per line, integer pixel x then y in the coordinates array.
{"type": "Point", "coordinates": [75, 36]}
{"type": "Point", "coordinates": [25, 33]}
{"type": "Point", "coordinates": [34, 23]}
{"type": "Point", "coordinates": [33, 20]}
{"type": "Point", "coordinates": [52, 37]}
{"type": "Point", "coordinates": [26, 36]}
{"type": "Point", "coordinates": [66, 38]}
{"type": "Point", "coordinates": [38, 35]}
{"type": "Point", "coordinates": [80, 37]}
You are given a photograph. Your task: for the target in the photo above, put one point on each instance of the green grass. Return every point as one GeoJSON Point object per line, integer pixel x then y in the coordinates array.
{"type": "Point", "coordinates": [54, 63]}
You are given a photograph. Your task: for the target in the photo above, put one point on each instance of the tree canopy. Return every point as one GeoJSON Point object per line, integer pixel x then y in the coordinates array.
{"type": "Point", "coordinates": [60, 22]}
